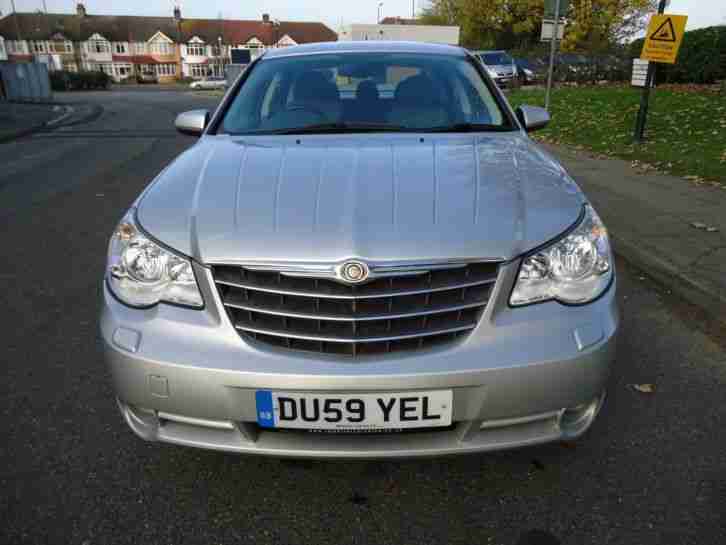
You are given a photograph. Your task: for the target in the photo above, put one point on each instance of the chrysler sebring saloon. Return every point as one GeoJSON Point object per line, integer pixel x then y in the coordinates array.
{"type": "Point", "coordinates": [363, 255]}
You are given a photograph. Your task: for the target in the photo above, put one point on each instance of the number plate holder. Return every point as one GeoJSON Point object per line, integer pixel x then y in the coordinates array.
{"type": "Point", "coordinates": [354, 412]}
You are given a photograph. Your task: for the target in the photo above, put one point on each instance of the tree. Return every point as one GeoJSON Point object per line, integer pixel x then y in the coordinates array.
{"type": "Point", "coordinates": [515, 24]}
{"type": "Point", "coordinates": [442, 12]}
{"type": "Point", "coordinates": [595, 25]}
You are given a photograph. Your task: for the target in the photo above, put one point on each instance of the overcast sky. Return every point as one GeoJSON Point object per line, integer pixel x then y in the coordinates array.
{"type": "Point", "coordinates": [701, 12]}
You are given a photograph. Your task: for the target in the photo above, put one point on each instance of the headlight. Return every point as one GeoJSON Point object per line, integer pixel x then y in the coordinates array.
{"type": "Point", "coordinates": [141, 273]}
{"type": "Point", "coordinates": [574, 270]}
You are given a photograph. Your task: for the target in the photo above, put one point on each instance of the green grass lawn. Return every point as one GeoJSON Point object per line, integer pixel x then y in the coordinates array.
{"type": "Point", "coordinates": [686, 132]}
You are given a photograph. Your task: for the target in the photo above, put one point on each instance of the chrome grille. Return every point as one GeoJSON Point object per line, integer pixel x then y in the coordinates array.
{"type": "Point", "coordinates": [407, 311]}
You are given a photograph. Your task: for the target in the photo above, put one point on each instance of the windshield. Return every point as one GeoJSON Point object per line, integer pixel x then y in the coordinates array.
{"type": "Point", "coordinates": [371, 91]}
{"type": "Point", "coordinates": [496, 59]}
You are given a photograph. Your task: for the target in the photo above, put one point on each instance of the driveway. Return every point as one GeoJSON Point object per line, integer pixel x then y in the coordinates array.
{"type": "Point", "coordinates": [652, 470]}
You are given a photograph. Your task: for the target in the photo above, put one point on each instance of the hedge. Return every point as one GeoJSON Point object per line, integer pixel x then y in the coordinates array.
{"type": "Point", "coordinates": [75, 81]}
{"type": "Point", "coordinates": [701, 59]}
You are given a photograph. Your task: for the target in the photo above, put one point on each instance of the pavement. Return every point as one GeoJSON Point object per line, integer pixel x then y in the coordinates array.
{"type": "Point", "coordinates": [20, 119]}
{"type": "Point", "coordinates": [671, 227]}
{"type": "Point", "coordinates": [651, 471]}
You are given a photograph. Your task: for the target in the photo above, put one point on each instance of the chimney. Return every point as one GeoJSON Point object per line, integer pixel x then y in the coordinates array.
{"type": "Point", "coordinates": [80, 9]}
{"type": "Point", "coordinates": [177, 13]}
{"type": "Point", "coordinates": [265, 17]}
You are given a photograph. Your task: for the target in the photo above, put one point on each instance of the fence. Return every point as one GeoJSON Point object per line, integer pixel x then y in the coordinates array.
{"type": "Point", "coordinates": [25, 82]}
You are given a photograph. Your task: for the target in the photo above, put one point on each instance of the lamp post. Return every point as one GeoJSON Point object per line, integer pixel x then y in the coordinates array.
{"type": "Point", "coordinates": [17, 24]}
{"type": "Point", "coordinates": [219, 55]}
{"type": "Point", "coordinates": [380, 8]}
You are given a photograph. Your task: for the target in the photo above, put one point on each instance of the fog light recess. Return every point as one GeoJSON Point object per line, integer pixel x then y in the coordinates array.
{"type": "Point", "coordinates": [574, 421]}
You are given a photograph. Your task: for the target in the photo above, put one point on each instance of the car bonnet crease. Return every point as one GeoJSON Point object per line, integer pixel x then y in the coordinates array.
{"type": "Point", "coordinates": [325, 198]}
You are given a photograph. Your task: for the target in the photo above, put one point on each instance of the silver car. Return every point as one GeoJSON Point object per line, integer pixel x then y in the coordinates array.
{"type": "Point", "coordinates": [361, 274]}
{"type": "Point", "coordinates": [212, 82]}
{"type": "Point", "coordinates": [500, 66]}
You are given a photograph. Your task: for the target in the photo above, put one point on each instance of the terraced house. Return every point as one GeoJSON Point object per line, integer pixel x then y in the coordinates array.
{"type": "Point", "coordinates": [124, 46]}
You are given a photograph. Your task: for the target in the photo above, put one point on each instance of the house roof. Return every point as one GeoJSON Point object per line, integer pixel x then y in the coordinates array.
{"type": "Point", "coordinates": [124, 28]}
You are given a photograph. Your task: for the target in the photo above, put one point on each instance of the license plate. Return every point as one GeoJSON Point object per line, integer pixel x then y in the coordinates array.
{"type": "Point", "coordinates": [354, 412]}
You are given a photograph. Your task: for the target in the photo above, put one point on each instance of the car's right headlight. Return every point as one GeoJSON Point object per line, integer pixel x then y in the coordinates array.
{"type": "Point", "coordinates": [574, 270]}
{"type": "Point", "coordinates": [141, 273]}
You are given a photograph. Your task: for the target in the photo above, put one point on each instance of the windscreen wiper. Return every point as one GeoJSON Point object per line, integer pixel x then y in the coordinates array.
{"type": "Point", "coordinates": [336, 128]}
{"type": "Point", "coordinates": [469, 127]}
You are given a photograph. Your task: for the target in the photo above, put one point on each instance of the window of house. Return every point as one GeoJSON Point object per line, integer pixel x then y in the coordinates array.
{"type": "Point", "coordinates": [199, 70]}
{"type": "Point", "coordinates": [57, 47]}
{"type": "Point", "coordinates": [120, 48]}
{"type": "Point", "coordinates": [138, 48]}
{"type": "Point", "coordinates": [2, 47]}
{"type": "Point", "coordinates": [99, 46]}
{"type": "Point", "coordinates": [166, 69]}
{"type": "Point", "coordinates": [39, 47]}
{"type": "Point", "coordinates": [105, 68]}
{"type": "Point", "coordinates": [17, 47]}
{"type": "Point", "coordinates": [196, 50]}
{"type": "Point", "coordinates": [162, 48]}
{"type": "Point", "coordinates": [68, 47]}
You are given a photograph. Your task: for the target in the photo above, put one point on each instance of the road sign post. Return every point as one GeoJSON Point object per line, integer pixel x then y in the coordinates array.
{"type": "Point", "coordinates": [662, 41]}
{"type": "Point", "coordinates": [555, 8]}
{"type": "Point", "coordinates": [640, 72]}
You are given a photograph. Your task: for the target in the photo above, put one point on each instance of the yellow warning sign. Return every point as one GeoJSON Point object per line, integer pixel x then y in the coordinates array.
{"type": "Point", "coordinates": [664, 37]}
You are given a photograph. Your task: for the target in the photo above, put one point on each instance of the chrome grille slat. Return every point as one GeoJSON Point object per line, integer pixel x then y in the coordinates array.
{"type": "Point", "coordinates": [353, 340]}
{"type": "Point", "coordinates": [400, 311]}
{"type": "Point", "coordinates": [245, 286]}
{"type": "Point", "coordinates": [340, 318]}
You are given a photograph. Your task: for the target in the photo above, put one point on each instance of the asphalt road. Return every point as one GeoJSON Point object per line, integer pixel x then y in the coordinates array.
{"type": "Point", "coordinates": [652, 470]}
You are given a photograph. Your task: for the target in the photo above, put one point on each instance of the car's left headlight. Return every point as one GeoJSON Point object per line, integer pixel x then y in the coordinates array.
{"type": "Point", "coordinates": [574, 270]}
{"type": "Point", "coordinates": [141, 273]}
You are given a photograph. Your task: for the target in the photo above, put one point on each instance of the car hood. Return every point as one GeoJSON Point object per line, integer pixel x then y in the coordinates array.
{"type": "Point", "coordinates": [325, 198]}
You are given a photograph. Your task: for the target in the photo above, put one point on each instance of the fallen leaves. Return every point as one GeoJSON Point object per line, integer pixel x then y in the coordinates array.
{"type": "Point", "coordinates": [644, 388]}
{"type": "Point", "coordinates": [686, 133]}
{"type": "Point", "coordinates": [704, 227]}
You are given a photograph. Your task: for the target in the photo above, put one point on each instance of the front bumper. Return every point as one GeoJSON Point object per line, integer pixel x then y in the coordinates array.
{"type": "Point", "coordinates": [186, 377]}
{"type": "Point", "coordinates": [504, 81]}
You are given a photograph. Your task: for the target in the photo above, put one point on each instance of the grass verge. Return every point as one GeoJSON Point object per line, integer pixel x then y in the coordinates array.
{"type": "Point", "coordinates": [686, 132]}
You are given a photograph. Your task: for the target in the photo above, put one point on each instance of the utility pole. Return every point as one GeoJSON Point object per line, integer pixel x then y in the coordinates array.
{"type": "Point", "coordinates": [17, 24]}
{"type": "Point", "coordinates": [380, 5]}
{"type": "Point", "coordinates": [553, 50]}
{"type": "Point", "coordinates": [645, 97]}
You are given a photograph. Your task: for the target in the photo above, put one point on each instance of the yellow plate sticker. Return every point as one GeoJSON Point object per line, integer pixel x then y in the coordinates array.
{"type": "Point", "coordinates": [664, 37]}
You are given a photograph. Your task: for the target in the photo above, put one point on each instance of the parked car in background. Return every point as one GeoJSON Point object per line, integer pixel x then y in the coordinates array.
{"type": "Point", "coordinates": [358, 274]}
{"type": "Point", "coordinates": [212, 82]}
{"type": "Point", "coordinates": [500, 66]}
{"type": "Point", "coordinates": [526, 71]}
{"type": "Point", "coordinates": [147, 76]}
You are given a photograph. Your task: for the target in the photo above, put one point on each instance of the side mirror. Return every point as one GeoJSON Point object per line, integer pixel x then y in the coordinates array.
{"type": "Point", "coordinates": [193, 122]}
{"type": "Point", "coordinates": [533, 118]}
